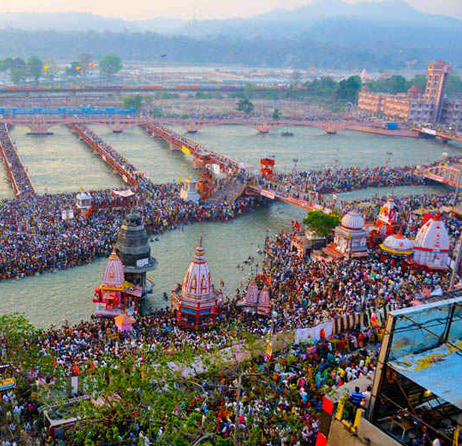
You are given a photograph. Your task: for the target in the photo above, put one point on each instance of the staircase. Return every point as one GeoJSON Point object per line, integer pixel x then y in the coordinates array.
{"type": "Point", "coordinates": [230, 192]}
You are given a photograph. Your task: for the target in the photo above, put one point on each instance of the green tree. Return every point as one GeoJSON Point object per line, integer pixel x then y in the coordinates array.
{"type": "Point", "coordinates": [245, 106]}
{"type": "Point", "coordinates": [320, 223]}
{"type": "Point", "coordinates": [397, 84]}
{"type": "Point", "coordinates": [133, 101]}
{"type": "Point", "coordinates": [276, 114]}
{"type": "Point", "coordinates": [348, 89]}
{"type": "Point", "coordinates": [35, 67]}
{"type": "Point", "coordinates": [110, 65]}
{"type": "Point", "coordinates": [18, 75]}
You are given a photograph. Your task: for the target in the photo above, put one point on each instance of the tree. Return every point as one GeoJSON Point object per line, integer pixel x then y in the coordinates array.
{"type": "Point", "coordinates": [248, 90]}
{"type": "Point", "coordinates": [35, 67]}
{"type": "Point", "coordinates": [85, 61]}
{"type": "Point", "coordinates": [348, 89]}
{"type": "Point", "coordinates": [50, 69]}
{"type": "Point", "coordinates": [398, 84]}
{"type": "Point", "coordinates": [18, 75]}
{"type": "Point", "coordinates": [18, 63]}
{"type": "Point", "coordinates": [110, 65]}
{"type": "Point", "coordinates": [295, 79]}
{"type": "Point", "coordinates": [73, 69]}
{"type": "Point", "coordinates": [133, 101]}
{"type": "Point", "coordinates": [320, 223]}
{"type": "Point", "coordinates": [276, 114]}
{"type": "Point", "coordinates": [245, 106]}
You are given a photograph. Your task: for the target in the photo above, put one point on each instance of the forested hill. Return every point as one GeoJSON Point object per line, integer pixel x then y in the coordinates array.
{"type": "Point", "coordinates": [304, 52]}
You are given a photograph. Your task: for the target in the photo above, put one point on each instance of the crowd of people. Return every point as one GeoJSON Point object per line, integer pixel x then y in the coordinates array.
{"type": "Point", "coordinates": [18, 171]}
{"type": "Point", "coordinates": [34, 238]}
{"type": "Point", "coordinates": [304, 293]}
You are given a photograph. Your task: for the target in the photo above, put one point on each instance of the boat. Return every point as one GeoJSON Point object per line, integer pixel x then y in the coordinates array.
{"type": "Point", "coordinates": [287, 133]}
{"type": "Point", "coordinates": [330, 130]}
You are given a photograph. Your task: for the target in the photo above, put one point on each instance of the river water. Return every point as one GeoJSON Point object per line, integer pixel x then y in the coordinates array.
{"type": "Point", "coordinates": [61, 163]}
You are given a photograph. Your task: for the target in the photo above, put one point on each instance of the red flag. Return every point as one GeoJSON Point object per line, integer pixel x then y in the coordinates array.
{"type": "Point", "coordinates": [92, 366]}
{"type": "Point", "coordinates": [76, 370]}
{"type": "Point", "coordinates": [297, 226]}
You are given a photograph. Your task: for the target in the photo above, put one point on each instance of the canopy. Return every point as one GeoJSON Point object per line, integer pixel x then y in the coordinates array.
{"type": "Point", "coordinates": [124, 193]}
{"type": "Point", "coordinates": [124, 322]}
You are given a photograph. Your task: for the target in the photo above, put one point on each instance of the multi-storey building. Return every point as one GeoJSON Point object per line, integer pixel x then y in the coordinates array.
{"type": "Point", "coordinates": [431, 107]}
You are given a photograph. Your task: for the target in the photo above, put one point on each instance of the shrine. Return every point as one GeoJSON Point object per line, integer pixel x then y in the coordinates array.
{"type": "Point", "coordinates": [115, 295]}
{"type": "Point", "coordinates": [189, 191]}
{"type": "Point", "coordinates": [397, 245]}
{"type": "Point", "coordinates": [195, 301]}
{"type": "Point", "coordinates": [431, 246]}
{"type": "Point", "coordinates": [83, 200]}
{"type": "Point", "coordinates": [349, 238]}
{"type": "Point", "coordinates": [385, 225]}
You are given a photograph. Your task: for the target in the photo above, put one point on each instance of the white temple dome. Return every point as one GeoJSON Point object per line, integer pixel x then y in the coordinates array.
{"type": "Point", "coordinates": [113, 276]}
{"type": "Point", "coordinates": [398, 244]}
{"type": "Point", "coordinates": [432, 244]}
{"type": "Point", "coordinates": [433, 235]}
{"type": "Point", "coordinates": [353, 220]}
{"type": "Point", "coordinates": [197, 283]}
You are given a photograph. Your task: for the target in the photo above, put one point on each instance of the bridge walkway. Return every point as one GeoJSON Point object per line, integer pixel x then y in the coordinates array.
{"type": "Point", "coordinates": [17, 173]}
{"type": "Point", "coordinates": [229, 193]}
{"type": "Point", "coordinates": [129, 173]}
{"type": "Point", "coordinates": [202, 154]}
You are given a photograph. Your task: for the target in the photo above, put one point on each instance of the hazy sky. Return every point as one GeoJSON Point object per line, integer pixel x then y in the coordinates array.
{"type": "Point", "coordinates": [204, 9]}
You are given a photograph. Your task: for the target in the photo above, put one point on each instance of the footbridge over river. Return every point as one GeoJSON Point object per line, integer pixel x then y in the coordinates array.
{"type": "Point", "coordinates": [443, 174]}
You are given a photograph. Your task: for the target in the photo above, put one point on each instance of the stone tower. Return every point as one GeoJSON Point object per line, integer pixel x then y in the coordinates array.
{"type": "Point", "coordinates": [133, 249]}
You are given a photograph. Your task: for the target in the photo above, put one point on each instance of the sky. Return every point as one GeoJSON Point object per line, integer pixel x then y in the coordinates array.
{"type": "Point", "coordinates": [186, 9]}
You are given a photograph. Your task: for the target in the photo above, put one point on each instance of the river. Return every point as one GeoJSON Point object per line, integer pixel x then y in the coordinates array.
{"type": "Point", "coordinates": [61, 163]}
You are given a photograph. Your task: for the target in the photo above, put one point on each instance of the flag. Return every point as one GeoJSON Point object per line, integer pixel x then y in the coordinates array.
{"type": "Point", "coordinates": [269, 350]}
{"type": "Point", "coordinates": [76, 370]}
{"type": "Point", "coordinates": [297, 225]}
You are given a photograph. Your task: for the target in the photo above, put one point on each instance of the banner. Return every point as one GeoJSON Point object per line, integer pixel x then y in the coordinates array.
{"type": "Point", "coordinates": [185, 150]}
{"type": "Point", "coordinates": [7, 383]}
{"type": "Point", "coordinates": [216, 169]}
{"type": "Point", "coordinates": [313, 333]}
{"type": "Point", "coordinates": [267, 194]}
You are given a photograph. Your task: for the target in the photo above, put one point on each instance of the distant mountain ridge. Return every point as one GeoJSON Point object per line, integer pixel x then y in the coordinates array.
{"type": "Point", "coordinates": [301, 18]}
{"type": "Point", "coordinates": [327, 33]}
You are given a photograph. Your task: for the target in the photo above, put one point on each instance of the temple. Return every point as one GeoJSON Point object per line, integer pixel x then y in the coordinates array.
{"type": "Point", "coordinates": [135, 253]}
{"type": "Point", "coordinates": [196, 302]}
{"type": "Point", "coordinates": [350, 238]}
{"type": "Point", "coordinates": [431, 247]}
{"type": "Point", "coordinates": [385, 225]}
{"type": "Point", "coordinates": [189, 191]}
{"type": "Point", "coordinates": [397, 245]}
{"type": "Point", "coordinates": [115, 295]}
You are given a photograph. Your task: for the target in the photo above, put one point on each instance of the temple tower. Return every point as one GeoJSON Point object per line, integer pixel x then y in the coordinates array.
{"type": "Point", "coordinates": [133, 249]}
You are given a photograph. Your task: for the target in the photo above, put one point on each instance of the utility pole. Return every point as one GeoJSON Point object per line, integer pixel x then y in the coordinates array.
{"type": "Point", "coordinates": [162, 57]}
{"type": "Point", "coordinates": [456, 264]}
{"type": "Point", "coordinates": [456, 192]}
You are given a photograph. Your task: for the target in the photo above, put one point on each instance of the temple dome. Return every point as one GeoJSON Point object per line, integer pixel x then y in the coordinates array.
{"type": "Point", "coordinates": [113, 276]}
{"type": "Point", "coordinates": [397, 244]}
{"type": "Point", "coordinates": [432, 235]}
{"type": "Point", "coordinates": [432, 244]}
{"type": "Point", "coordinates": [353, 220]}
{"type": "Point", "coordinates": [197, 283]}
